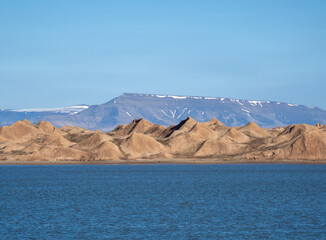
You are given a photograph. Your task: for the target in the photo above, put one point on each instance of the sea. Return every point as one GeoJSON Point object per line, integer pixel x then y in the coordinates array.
{"type": "Point", "coordinates": [230, 201]}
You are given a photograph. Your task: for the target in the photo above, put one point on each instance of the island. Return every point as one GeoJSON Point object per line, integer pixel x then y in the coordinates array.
{"type": "Point", "coordinates": [141, 142]}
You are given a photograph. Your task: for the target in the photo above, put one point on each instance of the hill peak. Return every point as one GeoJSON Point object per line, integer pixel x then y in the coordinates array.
{"type": "Point", "coordinates": [186, 124]}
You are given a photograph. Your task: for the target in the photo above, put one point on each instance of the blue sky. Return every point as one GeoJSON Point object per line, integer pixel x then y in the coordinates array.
{"type": "Point", "coordinates": [57, 53]}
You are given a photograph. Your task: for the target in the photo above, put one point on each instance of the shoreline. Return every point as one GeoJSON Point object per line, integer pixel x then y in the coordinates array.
{"type": "Point", "coordinates": [158, 162]}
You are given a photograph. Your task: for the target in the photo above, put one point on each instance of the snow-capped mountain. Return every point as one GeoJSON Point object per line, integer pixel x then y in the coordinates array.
{"type": "Point", "coordinates": [168, 110]}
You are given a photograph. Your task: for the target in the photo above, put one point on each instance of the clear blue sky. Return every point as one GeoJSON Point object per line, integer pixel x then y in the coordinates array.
{"type": "Point", "coordinates": [57, 53]}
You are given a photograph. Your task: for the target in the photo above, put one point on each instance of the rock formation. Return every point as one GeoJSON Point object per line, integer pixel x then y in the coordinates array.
{"type": "Point", "coordinates": [319, 125]}
{"type": "Point", "coordinates": [23, 141]}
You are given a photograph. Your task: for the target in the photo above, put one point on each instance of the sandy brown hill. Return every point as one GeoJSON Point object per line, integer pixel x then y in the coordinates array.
{"type": "Point", "coordinates": [311, 144]}
{"type": "Point", "coordinates": [106, 151]}
{"type": "Point", "coordinates": [75, 134]}
{"type": "Point", "coordinates": [183, 126]}
{"type": "Point", "coordinates": [138, 126]}
{"type": "Point", "coordinates": [203, 131]}
{"type": "Point", "coordinates": [184, 144]}
{"type": "Point", "coordinates": [57, 140]}
{"type": "Point", "coordinates": [253, 130]}
{"type": "Point", "coordinates": [236, 136]}
{"type": "Point", "coordinates": [46, 127]}
{"type": "Point", "coordinates": [19, 131]}
{"type": "Point", "coordinates": [92, 141]}
{"type": "Point", "coordinates": [214, 123]}
{"type": "Point", "coordinates": [140, 145]}
{"type": "Point", "coordinates": [296, 130]}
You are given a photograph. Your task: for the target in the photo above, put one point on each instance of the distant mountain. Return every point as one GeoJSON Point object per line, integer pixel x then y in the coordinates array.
{"type": "Point", "coordinates": [167, 110]}
{"type": "Point", "coordinates": [34, 115]}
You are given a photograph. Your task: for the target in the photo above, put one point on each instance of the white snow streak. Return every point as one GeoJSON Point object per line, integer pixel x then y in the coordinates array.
{"type": "Point", "coordinates": [129, 114]}
{"type": "Point", "coordinates": [169, 96]}
{"type": "Point", "coordinates": [182, 113]}
{"type": "Point", "coordinates": [165, 113]}
{"type": "Point", "coordinates": [255, 103]}
{"type": "Point", "coordinates": [245, 110]}
{"type": "Point", "coordinates": [173, 113]}
{"type": "Point", "coordinates": [73, 113]}
{"type": "Point", "coordinates": [70, 109]}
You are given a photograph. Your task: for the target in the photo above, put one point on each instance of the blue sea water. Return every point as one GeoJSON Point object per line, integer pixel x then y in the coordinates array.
{"type": "Point", "coordinates": [163, 202]}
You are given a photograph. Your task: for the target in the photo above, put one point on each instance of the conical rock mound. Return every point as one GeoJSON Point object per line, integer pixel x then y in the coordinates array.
{"type": "Point", "coordinates": [75, 134]}
{"type": "Point", "coordinates": [57, 140]}
{"type": "Point", "coordinates": [46, 127]}
{"type": "Point", "coordinates": [186, 124]}
{"type": "Point", "coordinates": [203, 131]}
{"type": "Point", "coordinates": [92, 141]}
{"type": "Point", "coordinates": [136, 126]}
{"type": "Point", "coordinates": [185, 144]}
{"type": "Point", "coordinates": [19, 131]}
{"type": "Point", "coordinates": [139, 145]}
{"type": "Point", "coordinates": [292, 132]}
{"type": "Point", "coordinates": [312, 143]}
{"type": "Point", "coordinates": [183, 126]}
{"type": "Point", "coordinates": [236, 136]}
{"type": "Point", "coordinates": [107, 151]}
{"type": "Point", "coordinates": [253, 130]}
{"type": "Point", "coordinates": [213, 123]}
{"type": "Point", "coordinates": [155, 131]}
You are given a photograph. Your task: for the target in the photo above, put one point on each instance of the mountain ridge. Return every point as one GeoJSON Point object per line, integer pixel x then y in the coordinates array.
{"type": "Point", "coordinates": [169, 109]}
{"type": "Point", "coordinates": [43, 142]}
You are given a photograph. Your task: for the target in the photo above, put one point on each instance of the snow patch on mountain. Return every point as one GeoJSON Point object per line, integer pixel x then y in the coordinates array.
{"type": "Point", "coordinates": [70, 110]}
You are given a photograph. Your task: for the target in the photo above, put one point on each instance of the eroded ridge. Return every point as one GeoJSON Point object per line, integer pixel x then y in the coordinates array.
{"type": "Point", "coordinates": [141, 139]}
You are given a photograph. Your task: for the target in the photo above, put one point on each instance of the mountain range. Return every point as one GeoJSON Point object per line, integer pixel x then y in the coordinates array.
{"type": "Point", "coordinates": [189, 140]}
{"type": "Point", "coordinates": [168, 110]}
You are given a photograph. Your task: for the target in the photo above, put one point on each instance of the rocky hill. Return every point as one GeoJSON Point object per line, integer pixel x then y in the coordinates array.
{"type": "Point", "coordinates": [168, 110]}
{"type": "Point", "coordinates": [140, 139]}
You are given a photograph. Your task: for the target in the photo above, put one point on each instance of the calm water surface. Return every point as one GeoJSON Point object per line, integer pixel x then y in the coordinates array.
{"type": "Point", "coordinates": [163, 202]}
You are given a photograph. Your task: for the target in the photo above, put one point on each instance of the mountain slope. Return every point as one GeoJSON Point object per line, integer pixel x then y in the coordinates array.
{"type": "Point", "coordinates": [169, 110]}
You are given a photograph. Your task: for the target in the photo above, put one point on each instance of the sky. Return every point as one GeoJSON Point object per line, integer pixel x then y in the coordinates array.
{"type": "Point", "coordinates": [65, 52]}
